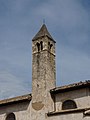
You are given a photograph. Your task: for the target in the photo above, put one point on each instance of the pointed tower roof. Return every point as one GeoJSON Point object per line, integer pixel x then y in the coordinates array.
{"type": "Point", "coordinates": [43, 32]}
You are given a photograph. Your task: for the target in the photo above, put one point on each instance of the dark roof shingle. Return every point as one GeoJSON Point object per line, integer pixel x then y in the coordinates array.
{"type": "Point", "coordinates": [43, 32]}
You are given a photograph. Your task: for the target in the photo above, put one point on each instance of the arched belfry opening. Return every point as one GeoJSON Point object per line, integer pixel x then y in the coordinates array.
{"type": "Point", "coordinates": [38, 46]}
{"type": "Point", "coordinates": [41, 44]}
{"type": "Point", "coordinates": [50, 46]}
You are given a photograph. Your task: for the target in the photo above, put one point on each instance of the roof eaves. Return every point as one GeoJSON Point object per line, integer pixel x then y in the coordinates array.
{"type": "Point", "coordinates": [70, 87]}
{"type": "Point", "coordinates": [27, 97]}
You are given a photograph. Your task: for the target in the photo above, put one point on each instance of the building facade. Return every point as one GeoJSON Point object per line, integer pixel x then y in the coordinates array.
{"type": "Point", "coordinates": [47, 102]}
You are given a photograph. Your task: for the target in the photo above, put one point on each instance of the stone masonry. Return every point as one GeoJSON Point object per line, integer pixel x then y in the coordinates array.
{"type": "Point", "coordinates": [43, 72]}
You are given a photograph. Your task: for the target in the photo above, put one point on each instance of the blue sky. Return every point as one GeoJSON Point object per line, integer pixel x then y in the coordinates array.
{"type": "Point", "coordinates": [68, 21]}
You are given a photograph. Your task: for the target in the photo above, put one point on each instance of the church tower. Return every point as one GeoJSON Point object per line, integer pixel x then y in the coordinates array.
{"type": "Point", "coordinates": [43, 69]}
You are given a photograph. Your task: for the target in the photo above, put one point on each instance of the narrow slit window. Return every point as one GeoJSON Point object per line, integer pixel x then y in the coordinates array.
{"type": "Point", "coordinates": [38, 47]}
{"type": "Point", "coordinates": [51, 46]}
{"type": "Point", "coordinates": [41, 43]}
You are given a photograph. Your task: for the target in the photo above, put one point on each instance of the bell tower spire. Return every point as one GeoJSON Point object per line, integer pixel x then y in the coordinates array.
{"type": "Point", "coordinates": [42, 32]}
{"type": "Point", "coordinates": [43, 69]}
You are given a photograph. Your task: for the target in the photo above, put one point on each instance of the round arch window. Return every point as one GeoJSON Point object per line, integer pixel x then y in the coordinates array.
{"type": "Point", "coordinates": [11, 116]}
{"type": "Point", "coordinates": [69, 104]}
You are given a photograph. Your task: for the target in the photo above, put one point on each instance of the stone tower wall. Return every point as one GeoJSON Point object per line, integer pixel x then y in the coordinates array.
{"type": "Point", "coordinates": [43, 76]}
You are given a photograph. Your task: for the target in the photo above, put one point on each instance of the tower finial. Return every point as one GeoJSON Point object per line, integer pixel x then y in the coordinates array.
{"type": "Point", "coordinates": [43, 21]}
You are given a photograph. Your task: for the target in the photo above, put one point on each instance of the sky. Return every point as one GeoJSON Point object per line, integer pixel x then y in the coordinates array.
{"type": "Point", "coordinates": [68, 21]}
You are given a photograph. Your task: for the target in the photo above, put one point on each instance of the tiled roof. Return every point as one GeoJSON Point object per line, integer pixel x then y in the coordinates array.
{"type": "Point", "coordinates": [56, 90]}
{"type": "Point", "coordinates": [16, 99]}
{"type": "Point", "coordinates": [69, 87]}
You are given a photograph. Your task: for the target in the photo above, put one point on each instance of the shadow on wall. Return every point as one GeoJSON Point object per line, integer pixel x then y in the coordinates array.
{"type": "Point", "coordinates": [74, 94]}
{"type": "Point", "coordinates": [14, 107]}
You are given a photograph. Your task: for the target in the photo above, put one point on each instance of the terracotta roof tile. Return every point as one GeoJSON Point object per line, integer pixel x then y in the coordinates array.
{"type": "Point", "coordinates": [16, 99]}
{"type": "Point", "coordinates": [69, 87]}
